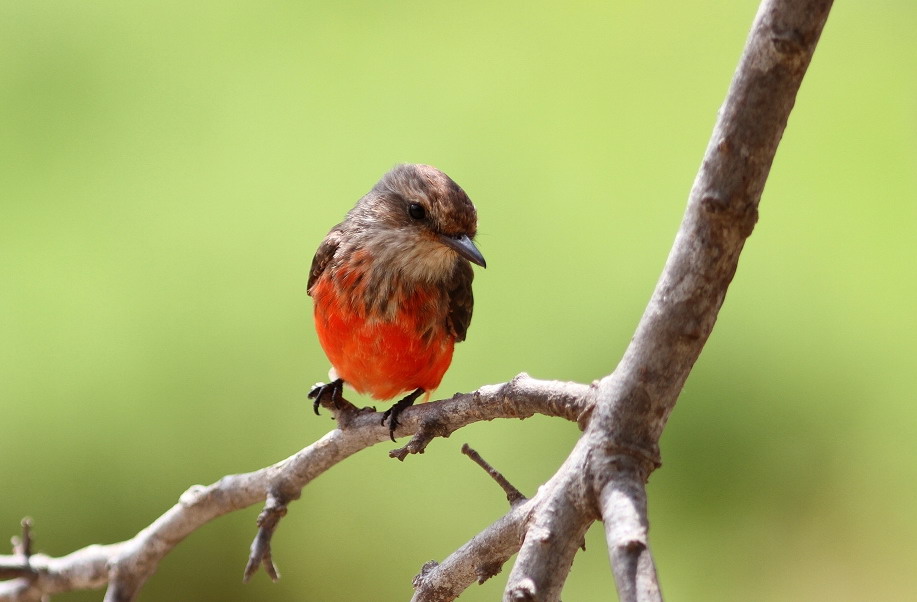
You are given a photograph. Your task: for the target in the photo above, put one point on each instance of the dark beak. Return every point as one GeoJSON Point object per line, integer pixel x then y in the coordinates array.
{"type": "Point", "coordinates": [462, 245]}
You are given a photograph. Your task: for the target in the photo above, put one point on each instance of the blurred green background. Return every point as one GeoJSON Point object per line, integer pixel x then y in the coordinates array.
{"type": "Point", "coordinates": [167, 170]}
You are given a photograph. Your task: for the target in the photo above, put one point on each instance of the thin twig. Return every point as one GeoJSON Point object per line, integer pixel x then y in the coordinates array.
{"type": "Point", "coordinates": [23, 545]}
{"type": "Point", "coordinates": [274, 509]}
{"type": "Point", "coordinates": [513, 495]}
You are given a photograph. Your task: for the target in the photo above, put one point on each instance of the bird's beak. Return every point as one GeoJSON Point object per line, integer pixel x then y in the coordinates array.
{"type": "Point", "coordinates": [462, 245]}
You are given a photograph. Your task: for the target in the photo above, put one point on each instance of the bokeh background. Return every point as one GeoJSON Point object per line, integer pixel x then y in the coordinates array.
{"type": "Point", "coordinates": [167, 170]}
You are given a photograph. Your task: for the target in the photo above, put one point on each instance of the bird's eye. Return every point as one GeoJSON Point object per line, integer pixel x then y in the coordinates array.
{"type": "Point", "coordinates": [416, 211]}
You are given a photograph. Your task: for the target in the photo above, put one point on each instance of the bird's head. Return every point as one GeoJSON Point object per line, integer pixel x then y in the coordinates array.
{"type": "Point", "coordinates": [420, 220]}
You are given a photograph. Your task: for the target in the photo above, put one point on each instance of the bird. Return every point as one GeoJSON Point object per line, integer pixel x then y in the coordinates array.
{"type": "Point", "coordinates": [391, 288]}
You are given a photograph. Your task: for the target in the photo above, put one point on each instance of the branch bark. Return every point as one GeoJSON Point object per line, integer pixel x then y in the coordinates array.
{"type": "Point", "coordinates": [623, 415]}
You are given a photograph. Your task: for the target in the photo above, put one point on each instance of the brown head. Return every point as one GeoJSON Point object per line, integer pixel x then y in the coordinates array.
{"type": "Point", "coordinates": [416, 221]}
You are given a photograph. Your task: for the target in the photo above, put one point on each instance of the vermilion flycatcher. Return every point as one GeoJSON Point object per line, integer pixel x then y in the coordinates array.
{"type": "Point", "coordinates": [392, 287]}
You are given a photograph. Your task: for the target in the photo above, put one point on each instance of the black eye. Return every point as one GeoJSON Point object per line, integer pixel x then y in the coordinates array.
{"type": "Point", "coordinates": [416, 211]}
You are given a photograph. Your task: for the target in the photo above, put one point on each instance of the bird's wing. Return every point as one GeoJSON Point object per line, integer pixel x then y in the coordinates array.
{"type": "Point", "coordinates": [324, 254]}
{"type": "Point", "coordinates": [461, 301]}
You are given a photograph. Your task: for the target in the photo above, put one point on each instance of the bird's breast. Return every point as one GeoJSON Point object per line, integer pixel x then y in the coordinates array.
{"type": "Point", "coordinates": [382, 341]}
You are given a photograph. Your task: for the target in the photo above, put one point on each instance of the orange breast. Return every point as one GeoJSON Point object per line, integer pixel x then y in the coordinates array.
{"type": "Point", "coordinates": [382, 357]}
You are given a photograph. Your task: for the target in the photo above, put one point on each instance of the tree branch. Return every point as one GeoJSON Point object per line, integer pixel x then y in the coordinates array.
{"type": "Point", "coordinates": [84, 569]}
{"type": "Point", "coordinates": [721, 213]}
{"type": "Point", "coordinates": [476, 561]}
{"type": "Point", "coordinates": [623, 507]}
{"type": "Point", "coordinates": [127, 565]}
{"type": "Point", "coordinates": [635, 401]}
{"type": "Point", "coordinates": [619, 448]}
{"type": "Point", "coordinates": [554, 532]}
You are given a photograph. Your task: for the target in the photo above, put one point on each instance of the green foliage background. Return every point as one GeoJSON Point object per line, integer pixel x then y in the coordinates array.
{"type": "Point", "coordinates": [167, 170]}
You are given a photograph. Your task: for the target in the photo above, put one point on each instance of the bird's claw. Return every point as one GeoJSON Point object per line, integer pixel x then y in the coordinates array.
{"type": "Point", "coordinates": [392, 416]}
{"type": "Point", "coordinates": [394, 412]}
{"type": "Point", "coordinates": [321, 390]}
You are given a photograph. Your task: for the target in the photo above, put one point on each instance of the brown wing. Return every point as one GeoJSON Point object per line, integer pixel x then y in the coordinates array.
{"type": "Point", "coordinates": [324, 254]}
{"type": "Point", "coordinates": [461, 301]}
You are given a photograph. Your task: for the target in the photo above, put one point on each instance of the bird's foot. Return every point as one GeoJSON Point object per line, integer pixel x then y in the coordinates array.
{"type": "Point", "coordinates": [329, 395]}
{"type": "Point", "coordinates": [394, 412]}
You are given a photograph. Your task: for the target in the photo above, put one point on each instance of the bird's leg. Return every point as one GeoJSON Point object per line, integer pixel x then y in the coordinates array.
{"type": "Point", "coordinates": [320, 390]}
{"type": "Point", "coordinates": [393, 412]}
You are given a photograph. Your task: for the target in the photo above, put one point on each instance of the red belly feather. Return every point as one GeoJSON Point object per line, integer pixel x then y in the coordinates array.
{"type": "Point", "coordinates": [382, 358]}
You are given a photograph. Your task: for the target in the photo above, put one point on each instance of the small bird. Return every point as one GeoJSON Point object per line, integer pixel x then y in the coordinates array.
{"type": "Point", "coordinates": [392, 288]}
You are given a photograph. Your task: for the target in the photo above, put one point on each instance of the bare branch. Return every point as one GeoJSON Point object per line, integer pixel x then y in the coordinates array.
{"type": "Point", "coordinates": [476, 561]}
{"type": "Point", "coordinates": [23, 545]}
{"type": "Point", "coordinates": [541, 520]}
{"type": "Point", "coordinates": [127, 565]}
{"type": "Point", "coordinates": [721, 213]}
{"type": "Point", "coordinates": [84, 569]}
{"type": "Point", "coordinates": [18, 565]}
{"type": "Point", "coordinates": [521, 397]}
{"type": "Point", "coordinates": [623, 506]}
{"type": "Point", "coordinates": [554, 533]}
{"type": "Point", "coordinates": [274, 509]}
{"type": "Point", "coordinates": [635, 401]}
